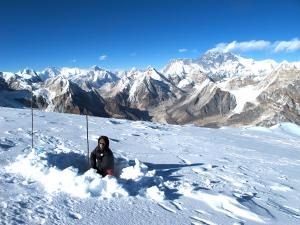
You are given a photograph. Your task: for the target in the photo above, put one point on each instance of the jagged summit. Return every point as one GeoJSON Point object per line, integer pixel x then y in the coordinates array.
{"type": "Point", "coordinates": [212, 57]}
{"type": "Point", "coordinates": [96, 68]}
{"type": "Point", "coordinates": [28, 71]}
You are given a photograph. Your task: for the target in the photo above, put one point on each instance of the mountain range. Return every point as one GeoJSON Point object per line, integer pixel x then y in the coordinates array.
{"type": "Point", "coordinates": [217, 89]}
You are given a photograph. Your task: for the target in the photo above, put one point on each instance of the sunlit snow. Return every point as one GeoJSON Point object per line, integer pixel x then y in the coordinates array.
{"type": "Point", "coordinates": [164, 174]}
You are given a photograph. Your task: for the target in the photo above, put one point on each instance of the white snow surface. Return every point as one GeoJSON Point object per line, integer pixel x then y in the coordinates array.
{"type": "Point", "coordinates": [164, 174]}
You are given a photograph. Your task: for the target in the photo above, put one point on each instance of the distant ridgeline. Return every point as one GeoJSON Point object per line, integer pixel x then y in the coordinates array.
{"type": "Point", "coordinates": [215, 90]}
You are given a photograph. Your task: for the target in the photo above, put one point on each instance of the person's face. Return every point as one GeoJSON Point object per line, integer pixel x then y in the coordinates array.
{"type": "Point", "coordinates": [101, 144]}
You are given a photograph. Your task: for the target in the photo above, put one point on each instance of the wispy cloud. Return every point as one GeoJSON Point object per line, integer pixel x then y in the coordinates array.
{"type": "Point", "coordinates": [73, 60]}
{"type": "Point", "coordinates": [287, 46]}
{"type": "Point", "coordinates": [242, 46]}
{"type": "Point", "coordinates": [132, 54]}
{"type": "Point", "coordinates": [182, 50]}
{"type": "Point", "coordinates": [103, 57]}
{"type": "Point", "coordinates": [258, 45]}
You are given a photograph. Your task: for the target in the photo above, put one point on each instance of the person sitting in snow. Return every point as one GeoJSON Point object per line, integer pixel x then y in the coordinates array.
{"type": "Point", "coordinates": [102, 158]}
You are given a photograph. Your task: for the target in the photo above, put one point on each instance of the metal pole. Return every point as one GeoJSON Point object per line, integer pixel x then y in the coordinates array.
{"type": "Point", "coordinates": [31, 118]}
{"type": "Point", "coordinates": [87, 139]}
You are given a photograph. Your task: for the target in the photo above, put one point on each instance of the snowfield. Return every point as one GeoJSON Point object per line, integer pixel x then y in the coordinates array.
{"type": "Point", "coordinates": [165, 174]}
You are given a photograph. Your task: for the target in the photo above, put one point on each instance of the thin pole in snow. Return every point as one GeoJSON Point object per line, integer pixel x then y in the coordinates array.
{"type": "Point", "coordinates": [31, 118]}
{"type": "Point", "coordinates": [87, 139]}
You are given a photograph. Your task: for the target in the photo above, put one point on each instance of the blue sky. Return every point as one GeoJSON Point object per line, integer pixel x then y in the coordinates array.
{"type": "Point", "coordinates": [122, 34]}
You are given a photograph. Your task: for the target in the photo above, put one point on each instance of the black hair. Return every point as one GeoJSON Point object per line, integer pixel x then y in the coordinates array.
{"type": "Point", "coordinates": [105, 138]}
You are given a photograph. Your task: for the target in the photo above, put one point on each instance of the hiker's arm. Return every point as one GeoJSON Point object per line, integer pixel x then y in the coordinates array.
{"type": "Point", "coordinates": [110, 169]}
{"type": "Point", "coordinates": [93, 160]}
{"type": "Point", "coordinates": [110, 172]}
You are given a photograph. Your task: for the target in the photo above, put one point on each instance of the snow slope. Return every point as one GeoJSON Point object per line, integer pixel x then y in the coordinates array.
{"type": "Point", "coordinates": [165, 174]}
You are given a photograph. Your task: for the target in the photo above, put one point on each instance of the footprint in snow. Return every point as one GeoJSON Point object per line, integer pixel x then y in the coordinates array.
{"type": "Point", "coordinates": [202, 221]}
{"type": "Point", "coordinates": [202, 212]}
{"type": "Point", "coordinates": [113, 122]}
{"type": "Point", "coordinates": [6, 144]}
{"type": "Point", "coordinates": [114, 140]}
{"type": "Point", "coordinates": [75, 216]}
{"type": "Point", "coordinates": [204, 168]}
{"type": "Point", "coordinates": [238, 223]}
{"type": "Point", "coordinates": [177, 205]}
{"type": "Point", "coordinates": [166, 208]}
{"type": "Point", "coordinates": [185, 161]}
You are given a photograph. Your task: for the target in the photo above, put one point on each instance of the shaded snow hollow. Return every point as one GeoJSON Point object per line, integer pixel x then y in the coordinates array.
{"type": "Point", "coordinates": [165, 174]}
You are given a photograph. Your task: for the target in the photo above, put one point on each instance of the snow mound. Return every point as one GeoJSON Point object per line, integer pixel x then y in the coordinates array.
{"type": "Point", "coordinates": [134, 172]}
{"type": "Point", "coordinates": [155, 194]}
{"type": "Point", "coordinates": [68, 173]}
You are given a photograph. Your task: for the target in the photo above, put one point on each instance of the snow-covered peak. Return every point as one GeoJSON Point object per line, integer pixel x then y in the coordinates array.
{"type": "Point", "coordinates": [284, 65]}
{"type": "Point", "coordinates": [221, 65]}
{"type": "Point", "coordinates": [93, 77]}
{"type": "Point", "coordinates": [9, 76]}
{"type": "Point", "coordinates": [49, 72]}
{"type": "Point", "coordinates": [96, 68]}
{"type": "Point", "coordinates": [149, 72]}
{"type": "Point", "coordinates": [153, 73]}
{"type": "Point", "coordinates": [67, 71]}
{"type": "Point", "coordinates": [174, 67]}
{"type": "Point", "coordinates": [27, 77]}
{"type": "Point", "coordinates": [285, 71]}
{"type": "Point", "coordinates": [27, 74]}
{"type": "Point", "coordinates": [28, 71]}
{"type": "Point", "coordinates": [180, 67]}
{"type": "Point", "coordinates": [213, 58]}
{"type": "Point", "coordinates": [58, 84]}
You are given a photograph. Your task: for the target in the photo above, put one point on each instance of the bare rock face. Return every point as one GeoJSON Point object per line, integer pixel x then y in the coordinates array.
{"type": "Point", "coordinates": [142, 90]}
{"type": "Point", "coordinates": [118, 110]}
{"type": "Point", "coordinates": [203, 106]}
{"type": "Point", "coordinates": [3, 84]}
{"type": "Point", "coordinates": [282, 97]}
{"type": "Point", "coordinates": [13, 98]}
{"type": "Point", "coordinates": [240, 82]}
{"type": "Point", "coordinates": [149, 94]}
{"type": "Point", "coordinates": [63, 95]}
{"type": "Point", "coordinates": [247, 117]}
{"type": "Point", "coordinates": [279, 101]}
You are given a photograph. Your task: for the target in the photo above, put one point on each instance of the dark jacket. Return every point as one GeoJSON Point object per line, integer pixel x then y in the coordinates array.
{"type": "Point", "coordinates": [102, 161]}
